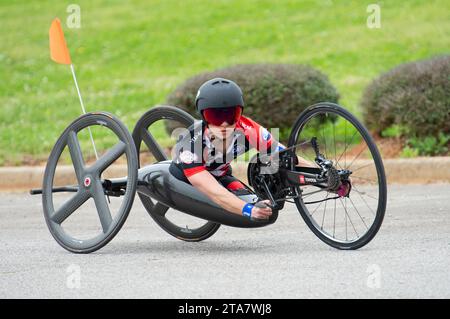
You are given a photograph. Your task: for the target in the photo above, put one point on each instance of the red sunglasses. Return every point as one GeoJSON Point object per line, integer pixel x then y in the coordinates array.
{"type": "Point", "coordinates": [216, 116]}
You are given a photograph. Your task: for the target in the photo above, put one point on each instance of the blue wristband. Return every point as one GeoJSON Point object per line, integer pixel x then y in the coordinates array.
{"type": "Point", "coordinates": [247, 210]}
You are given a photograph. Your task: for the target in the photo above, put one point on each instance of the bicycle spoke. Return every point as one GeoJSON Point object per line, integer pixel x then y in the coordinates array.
{"type": "Point", "coordinates": [363, 193]}
{"type": "Point", "coordinates": [335, 151]}
{"type": "Point", "coordinates": [324, 211]}
{"type": "Point", "coordinates": [366, 165]}
{"type": "Point", "coordinates": [365, 179]}
{"type": "Point", "coordinates": [357, 211]}
{"type": "Point", "coordinates": [76, 155]}
{"type": "Point", "coordinates": [316, 209]}
{"type": "Point", "coordinates": [359, 193]}
{"type": "Point", "coordinates": [307, 157]}
{"type": "Point", "coordinates": [315, 192]}
{"type": "Point", "coordinates": [334, 220]}
{"type": "Point", "coordinates": [345, 216]}
{"type": "Point", "coordinates": [109, 157]}
{"type": "Point", "coordinates": [323, 135]}
{"type": "Point", "coordinates": [345, 149]}
{"type": "Point", "coordinates": [334, 139]}
{"type": "Point", "coordinates": [153, 146]}
{"type": "Point", "coordinates": [70, 206]}
{"type": "Point", "coordinates": [102, 206]}
{"type": "Point", "coordinates": [360, 152]}
{"type": "Point", "coordinates": [346, 213]}
{"type": "Point", "coordinates": [160, 209]}
{"type": "Point", "coordinates": [346, 145]}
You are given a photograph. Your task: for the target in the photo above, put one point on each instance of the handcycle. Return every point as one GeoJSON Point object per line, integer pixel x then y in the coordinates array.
{"type": "Point", "coordinates": [342, 199]}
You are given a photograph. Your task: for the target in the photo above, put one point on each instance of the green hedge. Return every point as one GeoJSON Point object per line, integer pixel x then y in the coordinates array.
{"type": "Point", "coordinates": [274, 94]}
{"type": "Point", "coordinates": [414, 97]}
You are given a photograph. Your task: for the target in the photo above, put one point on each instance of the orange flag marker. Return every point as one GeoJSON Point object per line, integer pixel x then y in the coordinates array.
{"type": "Point", "coordinates": [60, 54]}
{"type": "Point", "coordinates": [58, 47]}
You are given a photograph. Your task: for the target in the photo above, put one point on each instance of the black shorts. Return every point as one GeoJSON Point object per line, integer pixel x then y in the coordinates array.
{"type": "Point", "coordinates": [228, 181]}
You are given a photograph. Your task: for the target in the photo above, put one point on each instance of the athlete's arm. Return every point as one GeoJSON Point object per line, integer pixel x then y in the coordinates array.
{"type": "Point", "coordinates": [207, 184]}
{"type": "Point", "coordinates": [260, 138]}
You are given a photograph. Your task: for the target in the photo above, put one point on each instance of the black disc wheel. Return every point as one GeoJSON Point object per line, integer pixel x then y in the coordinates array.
{"type": "Point", "coordinates": [166, 123]}
{"type": "Point", "coordinates": [80, 216]}
{"type": "Point", "coordinates": [346, 212]}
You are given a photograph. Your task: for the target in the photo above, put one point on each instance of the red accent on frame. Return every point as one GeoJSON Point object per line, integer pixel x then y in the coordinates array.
{"type": "Point", "coordinates": [235, 185]}
{"type": "Point", "coordinates": [302, 179]}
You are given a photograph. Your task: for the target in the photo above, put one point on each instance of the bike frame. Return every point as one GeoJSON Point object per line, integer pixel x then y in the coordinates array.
{"type": "Point", "coordinates": [156, 181]}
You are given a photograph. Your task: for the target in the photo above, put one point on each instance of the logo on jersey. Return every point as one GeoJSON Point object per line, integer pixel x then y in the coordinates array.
{"type": "Point", "coordinates": [188, 157]}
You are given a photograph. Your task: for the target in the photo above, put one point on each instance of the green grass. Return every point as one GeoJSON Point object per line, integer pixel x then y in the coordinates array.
{"type": "Point", "coordinates": [128, 57]}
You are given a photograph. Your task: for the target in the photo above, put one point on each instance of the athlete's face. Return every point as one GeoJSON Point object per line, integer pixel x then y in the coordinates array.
{"type": "Point", "coordinates": [222, 131]}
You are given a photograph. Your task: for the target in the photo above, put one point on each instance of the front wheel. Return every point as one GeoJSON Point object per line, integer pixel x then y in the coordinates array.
{"type": "Point", "coordinates": [347, 213]}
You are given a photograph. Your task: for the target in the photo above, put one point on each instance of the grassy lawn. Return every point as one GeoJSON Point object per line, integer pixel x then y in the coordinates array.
{"type": "Point", "coordinates": [128, 57]}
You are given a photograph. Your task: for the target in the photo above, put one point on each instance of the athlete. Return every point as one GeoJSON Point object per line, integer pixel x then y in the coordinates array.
{"type": "Point", "coordinates": [202, 156]}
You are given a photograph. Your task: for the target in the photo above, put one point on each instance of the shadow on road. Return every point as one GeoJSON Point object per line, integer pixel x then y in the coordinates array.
{"type": "Point", "coordinates": [187, 248]}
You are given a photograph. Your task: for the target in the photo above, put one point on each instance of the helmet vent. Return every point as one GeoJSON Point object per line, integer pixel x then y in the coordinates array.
{"type": "Point", "coordinates": [216, 82]}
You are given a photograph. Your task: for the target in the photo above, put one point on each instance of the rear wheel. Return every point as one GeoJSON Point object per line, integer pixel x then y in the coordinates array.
{"type": "Point", "coordinates": [70, 219]}
{"type": "Point", "coordinates": [171, 121]}
{"type": "Point", "coordinates": [350, 217]}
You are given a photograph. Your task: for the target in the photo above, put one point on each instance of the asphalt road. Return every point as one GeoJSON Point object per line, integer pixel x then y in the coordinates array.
{"type": "Point", "coordinates": [410, 257]}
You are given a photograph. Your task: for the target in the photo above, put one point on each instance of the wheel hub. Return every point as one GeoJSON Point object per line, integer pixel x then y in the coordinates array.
{"type": "Point", "coordinates": [87, 181]}
{"type": "Point", "coordinates": [344, 189]}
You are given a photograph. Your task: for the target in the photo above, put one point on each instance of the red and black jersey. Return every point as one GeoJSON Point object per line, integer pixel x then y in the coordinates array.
{"type": "Point", "coordinates": [195, 152]}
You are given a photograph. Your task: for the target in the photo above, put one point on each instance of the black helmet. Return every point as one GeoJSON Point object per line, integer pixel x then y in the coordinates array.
{"type": "Point", "coordinates": [218, 93]}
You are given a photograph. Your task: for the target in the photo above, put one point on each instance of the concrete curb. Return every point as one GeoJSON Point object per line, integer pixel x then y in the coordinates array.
{"type": "Point", "coordinates": [399, 171]}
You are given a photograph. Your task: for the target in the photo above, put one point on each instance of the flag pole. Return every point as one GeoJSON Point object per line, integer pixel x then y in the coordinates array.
{"type": "Point", "coordinates": [60, 54]}
{"type": "Point", "coordinates": [82, 107]}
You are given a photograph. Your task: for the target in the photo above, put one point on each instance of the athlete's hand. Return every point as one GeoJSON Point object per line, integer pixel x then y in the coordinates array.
{"type": "Point", "coordinates": [262, 212]}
